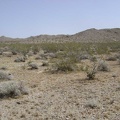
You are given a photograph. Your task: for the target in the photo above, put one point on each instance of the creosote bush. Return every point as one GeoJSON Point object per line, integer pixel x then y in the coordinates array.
{"type": "Point", "coordinates": [65, 65]}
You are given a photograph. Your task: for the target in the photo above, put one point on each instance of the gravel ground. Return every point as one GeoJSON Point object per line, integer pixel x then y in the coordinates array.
{"type": "Point", "coordinates": [63, 96]}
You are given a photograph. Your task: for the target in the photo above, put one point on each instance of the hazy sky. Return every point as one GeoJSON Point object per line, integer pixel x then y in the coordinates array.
{"type": "Point", "coordinates": [24, 18]}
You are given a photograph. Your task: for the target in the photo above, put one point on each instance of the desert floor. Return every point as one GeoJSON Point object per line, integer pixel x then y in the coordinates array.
{"type": "Point", "coordinates": [62, 96]}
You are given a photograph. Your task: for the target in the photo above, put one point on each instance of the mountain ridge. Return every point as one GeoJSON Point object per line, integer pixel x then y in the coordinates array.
{"type": "Point", "coordinates": [89, 35]}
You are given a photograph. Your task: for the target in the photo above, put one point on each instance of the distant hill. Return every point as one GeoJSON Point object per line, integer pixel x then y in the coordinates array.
{"type": "Point", "coordinates": [90, 35]}
{"type": "Point", "coordinates": [3, 38]}
{"type": "Point", "coordinates": [94, 35]}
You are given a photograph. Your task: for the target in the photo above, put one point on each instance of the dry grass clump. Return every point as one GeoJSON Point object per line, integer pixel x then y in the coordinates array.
{"type": "Point", "coordinates": [5, 75]}
{"type": "Point", "coordinates": [12, 89]}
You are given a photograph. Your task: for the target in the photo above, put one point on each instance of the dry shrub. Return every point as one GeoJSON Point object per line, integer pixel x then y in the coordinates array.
{"type": "Point", "coordinates": [103, 66]}
{"type": "Point", "coordinates": [5, 75]}
{"type": "Point", "coordinates": [92, 104]}
{"type": "Point", "coordinates": [12, 89]}
{"type": "Point", "coordinates": [20, 59]}
{"type": "Point", "coordinates": [111, 58]}
{"type": "Point", "coordinates": [32, 66]}
{"type": "Point", "coordinates": [91, 72]}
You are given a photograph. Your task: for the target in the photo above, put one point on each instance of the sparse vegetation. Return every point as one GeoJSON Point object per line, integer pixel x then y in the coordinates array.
{"type": "Point", "coordinates": [63, 91]}
{"type": "Point", "coordinates": [99, 48]}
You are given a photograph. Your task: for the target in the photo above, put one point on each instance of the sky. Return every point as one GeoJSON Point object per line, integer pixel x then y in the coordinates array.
{"type": "Point", "coordinates": [25, 18]}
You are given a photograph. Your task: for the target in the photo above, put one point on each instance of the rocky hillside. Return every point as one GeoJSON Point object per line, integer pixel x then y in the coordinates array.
{"type": "Point", "coordinates": [101, 35]}
{"type": "Point", "coordinates": [90, 35]}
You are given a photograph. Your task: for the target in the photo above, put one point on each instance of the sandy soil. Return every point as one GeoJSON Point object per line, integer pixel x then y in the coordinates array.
{"type": "Point", "coordinates": [62, 96]}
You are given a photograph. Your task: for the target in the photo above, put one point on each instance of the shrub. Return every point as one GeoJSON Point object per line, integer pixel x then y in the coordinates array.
{"type": "Point", "coordinates": [92, 72]}
{"type": "Point", "coordinates": [74, 56]}
{"type": "Point", "coordinates": [12, 89]}
{"type": "Point", "coordinates": [83, 56]}
{"type": "Point", "coordinates": [64, 66]}
{"type": "Point", "coordinates": [92, 104]}
{"type": "Point", "coordinates": [38, 58]}
{"type": "Point", "coordinates": [30, 53]}
{"type": "Point", "coordinates": [45, 63]}
{"type": "Point", "coordinates": [93, 58]}
{"type": "Point", "coordinates": [5, 76]}
{"type": "Point", "coordinates": [111, 58]}
{"type": "Point", "coordinates": [33, 66]}
{"type": "Point", "coordinates": [14, 52]}
{"type": "Point", "coordinates": [103, 66]}
{"type": "Point", "coordinates": [20, 59]}
{"type": "Point", "coordinates": [84, 68]}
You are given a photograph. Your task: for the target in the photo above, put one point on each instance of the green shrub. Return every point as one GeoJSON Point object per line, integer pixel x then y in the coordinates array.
{"type": "Point", "coordinates": [65, 65]}
{"type": "Point", "coordinates": [90, 48]}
